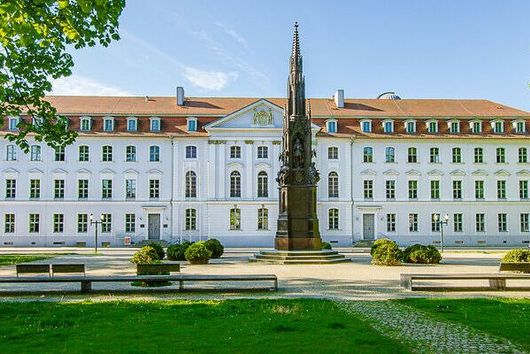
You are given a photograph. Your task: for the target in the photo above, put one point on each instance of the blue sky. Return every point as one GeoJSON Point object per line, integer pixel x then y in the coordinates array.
{"type": "Point", "coordinates": [420, 49]}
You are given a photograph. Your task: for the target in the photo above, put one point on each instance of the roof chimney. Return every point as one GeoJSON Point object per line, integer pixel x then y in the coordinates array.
{"type": "Point", "coordinates": [339, 98]}
{"type": "Point", "coordinates": [180, 96]}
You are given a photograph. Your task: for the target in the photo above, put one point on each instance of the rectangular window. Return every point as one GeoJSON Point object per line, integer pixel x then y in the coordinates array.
{"type": "Point", "coordinates": [130, 153]}
{"type": "Point", "coordinates": [132, 125]}
{"type": "Point", "coordinates": [85, 124]}
{"type": "Point", "coordinates": [332, 127]}
{"type": "Point", "coordinates": [457, 189]}
{"type": "Point", "coordinates": [388, 127]}
{"type": "Point", "coordinates": [9, 223]}
{"type": "Point", "coordinates": [192, 125]}
{"type": "Point", "coordinates": [106, 223]}
{"type": "Point", "coordinates": [333, 219]}
{"type": "Point", "coordinates": [458, 223]}
{"type": "Point", "coordinates": [235, 219]}
{"type": "Point", "coordinates": [501, 189]}
{"type": "Point", "coordinates": [58, 223]}
{"type": "Point", "coordinates": [82, 188]}
{"type": "Point", "coordinates": [58, 189]}
{"type": "Point", "coordinates": [84, 153]}
{"type": "Point", "coordinates": [523, 155]}
{"type": "Point", "coordinates": [106, 155]}
{"type": "Point", "coordinates": [154, 188]}
{"type": "Point", "coordinates": [520, 127]}
{"type": "Point", "coordinates": [35, 153]}
{"type": "Point", "coordinates": [82, 223]}
{"type": "Point", "coordinates": [367, 126]}
{"type": "Point", "coordinates": [263, 219]}
{"type": "Point", "coordinates": [191, 152]}
{"type": "Point", "coordinates": [235, 152]}
{"type": "Point", "coordinates": [479, 155]}
{"type": "Point", "coordinates": [155, 125]}
{"type": "Point", "coordinates": [413, 189]}
{"type": "Point", "coordinates": [411, 127]}
{"type": "Point", "coordinates": [413, 222]}
{"type": "Point", "coordinates": [435, 222]}
{"type": "Point", "coordinates": [130, 223]}
{"type": "Point", "coordinates": [390, 222]}
{"type": "Point", "coordinates": [476, 127]}
{"type": "Point", "coordinates": [457, 155]}
{"type": "Point", "coordinates": [502, 222]}
{"type": "Point", "coordinates": [523, 189]}
{"type": "Point", "coordinates": [455, 127]}
{"type": "Point", "coordinates": [480, 222]}
{"type": "Point", "coordinates": [263, 152]}
{"type": "Point", "coordinates": [368, 154]}
{"type": "Point", "coordinates": [333, 153]}
{"type": "Point", "coordinates": [130, 189]}
{"type": "Point", "coordinates": [191, 219]}
{"type": "Point", "coordinates": [434, 155]}
{"type": "Point", "coordinates": [479, 189]}
{"type": "Point", "coordinates": [34, 223]}
{"type": "Point", "coordinates": [390, 189]}
{"type": "Point", "coordinates": [154, 153]}
{"type": "Point", "coordinates": [59, 154]}
{"type": "Point", "coordinates": [498, 127]}
{"type": "Point", "coordinates": [13, 122]}
{"type": "Point", "coordinates": [501, 155]}
{"type": "Point", "coordinates": [106, 189]}
{"type": "Point", "coordinates": [432, 127]}
{"type": "Point", "coordinates": [390, 155]}
{"type": "Point", "coordinates": [11, 188]}
{"type": "Point", "coordinates": [11, 153]}
{"type": "Point", "coordinates": [525, 222]}
{"type": "Point", "coordinates": [412, 155]}
{"type": "Point", "coordinates": [34, 188]}
{"type": "Point", "coordinates": [108, 124]}
{"type": "Point", "coordinates": [368, 185]}
{"type": "Point", "coordinates": [435, 189]}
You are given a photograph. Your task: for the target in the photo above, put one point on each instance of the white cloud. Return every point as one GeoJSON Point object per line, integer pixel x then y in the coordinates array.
{"type": "Point", "coordinates": [232, 33]}
{"type": "Point", "coordinates": [210, 80]}
{"type": "Point", "coordinates": [77, 85]}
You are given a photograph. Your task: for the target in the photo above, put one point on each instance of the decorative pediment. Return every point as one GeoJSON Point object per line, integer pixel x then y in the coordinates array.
{"type": "Point", "coordinates": [35, 170]}
{"type": "Point", "coordinates": [457, 172]}
{"type": "Point", "coordinates": [131, 171]}
{"type": "Point", "coordinates": [391, 172]}
{"type": "Point", "coordinates": [154, 171]}
{"type": "Point", "coordinates": [235, 164]}
{"type": "Point", "coordinates": [259, 114]}
{"type": "Point", "coordinates": [263, 166]}
{"type": "Point", "coordinates": [523, 173]}
{"type": "Point", "coordinates": [107, 171]}
{"type": "Point", "coordinates": [60, 171]}
{"type": "Point", "coordinates": [502, 173]}
{"type": "Point", "coordinates": [368, 172]}
{"type": "Point", "coordinates": [480, 173]}
{"type": "Point", "coordinates": [413, 173]}
{"type": "Point", "coordinates": [11, 171]}
{"type": "Point", "coordinates": [83, 171]}
{"type": "Point", "coordinates": [435, 172]}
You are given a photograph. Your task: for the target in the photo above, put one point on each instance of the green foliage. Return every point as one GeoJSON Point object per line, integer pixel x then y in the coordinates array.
{"type": "Point", "coordinates": [176, 252]}
{"type": "Point", "coordinates": [386, 252]}
{"type": "Point", "coordinates": [517, 255]}
{"type": "Point", "coordinates": [145, 255]}
{"type": "Point", "coordinates": [198, 253]}
{"type": "Point", "coordinates": [34, 36]}
{"type": "Point", "coordinates": [158, 248]}
{"type": "Point", "coordinates": [11, 259]}
{"type": "Point", "coordinates": [215, 247]}
{"type": "Point", "coordinates": [325, 246]}
{"type": "Point", "coordinates": [421, 254]}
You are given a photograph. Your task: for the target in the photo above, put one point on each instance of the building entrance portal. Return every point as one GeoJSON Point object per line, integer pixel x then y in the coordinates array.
{"type": "Point", "coordinates": [153, 226]}
{"type": "Point", "coordinates": [368, 226]}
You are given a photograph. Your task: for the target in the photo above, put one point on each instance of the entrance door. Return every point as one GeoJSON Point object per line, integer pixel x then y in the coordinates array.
{"type": "Point", "coordinates": [368, 226]}
{"type": "Point", "coordinates": [153, 229]}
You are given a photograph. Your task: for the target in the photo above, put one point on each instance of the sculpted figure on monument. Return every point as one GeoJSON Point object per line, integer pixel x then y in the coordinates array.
{"type": "Point", "coordinates": [298, 153]}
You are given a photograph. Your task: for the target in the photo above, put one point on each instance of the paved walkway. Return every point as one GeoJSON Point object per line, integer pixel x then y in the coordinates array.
{"type": "Point", "coordinates": [424, 334]}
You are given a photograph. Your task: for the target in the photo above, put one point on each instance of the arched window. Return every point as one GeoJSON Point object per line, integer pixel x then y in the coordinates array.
{"type": "Point", "coordinates": [191, 219]}
{"type": "Point", "coordinates": [263, 185]}
{"type": "Point", "coordinates": [390, 154]}
{"type": "Point", "coordinates": [191, 184]}
{"type": "Point", "coordinates": [154, 153]}
{"type": "Point", "coordinates": [333, 185]}
{"type": "Point", "coordinates": [333, 219]}
{"type": "Point", "coordinates": [235, 185]}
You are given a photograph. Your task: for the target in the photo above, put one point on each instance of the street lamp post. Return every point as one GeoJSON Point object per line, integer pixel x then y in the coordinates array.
{"type": "Point", "coordinates": [441, 224]}
{"type": "Point", "coordinates": [96, 222]}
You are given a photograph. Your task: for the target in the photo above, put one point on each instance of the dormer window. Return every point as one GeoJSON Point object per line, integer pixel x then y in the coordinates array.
{"type": "Point", "coordinates": [366, 126]}
{"type": "Point", "coordinates": [519, 126]}
{"type": "Point", "coordinates": [432, 127]}
{"type": "Point", "coordinates": [155, 124]}
{"type": "Point", "coordinates": [498, 126]}
{"type": "Point", "coordinates": [388, 126]}
{"type": "Point", "coordinates": [476, 126]}
{"type": "Point", "coordinates": [13, 122]}
{"type": "Point", "coordinates": [331, 126]}
{"type": "Point", "coordinates": [108, 124]}
{"type": "Point", "coordinates": [85, 124]}
{"type": "Point", "coordinates": [192, 124]}
{"type": "Point", "coordinates": [410, 126]}
{"type": "Point", "coordinates": [132, 124]}
{"type": "Point", "coordinates": [454, 127]}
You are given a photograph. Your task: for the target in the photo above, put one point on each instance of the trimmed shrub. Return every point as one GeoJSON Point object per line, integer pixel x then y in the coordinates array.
{"type": "Point", "coordinates": [176, 252]}
{"type": "Point", "coordinates": [158, 248]}
{"type": "Point", "coordinates": [386, 252]}
{"type": "Point", "coordinates": [422, 254]}
{"type": "Point", "coordinates": [325, 246]}
{"type": "Point", "coordinates": [198, 253]}
{"type": "Point", "coordinates": [145, 255]}
{"type": "Point", "coordinates": [215, 247]}
{"type": "Point", "coordinates": [517, 255]}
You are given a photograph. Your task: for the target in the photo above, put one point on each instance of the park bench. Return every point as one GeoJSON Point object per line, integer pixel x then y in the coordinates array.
{"type": "Point", "coordinates": [86, 281]}
{"type": "Point", "coordinates": [496, 281]}
{"type": "Point", "coordinates": [33, 269]}
{"type": "Point", "coordinates": [523, 267]}
{"type": "Point", "coordinates": [157, 268]}
{"type": "Point", "coordinates": [50, 269]}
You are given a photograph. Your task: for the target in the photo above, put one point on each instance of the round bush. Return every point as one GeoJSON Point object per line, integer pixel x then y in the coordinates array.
{"type": "Point", "coordinates": [422, 254]}
{"type": "Point", "coordinates": [145, 255]}
{"type": "Point", "coordinates": [176, 252]}
{"type": "Point", "coordinates": [158, 248]}
{"type": "Point", "coordinates": [198, 253]}
{"type": "Point", "coordinates": [386, 252]}
{"type": "Point", "coordinates": [517, 255]}
{"type": "Point", "coordinates": [325, 246]}
{"type": "Point", "coordinates": [215, 247]}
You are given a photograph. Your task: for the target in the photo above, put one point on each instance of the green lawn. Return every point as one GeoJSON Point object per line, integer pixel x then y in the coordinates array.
{"type": "Point", "coordinates": [508, 318]}
{"type": "Point", "coordinates": [10, 259]}
{"type": "Point", "coordinates": [231, 326]}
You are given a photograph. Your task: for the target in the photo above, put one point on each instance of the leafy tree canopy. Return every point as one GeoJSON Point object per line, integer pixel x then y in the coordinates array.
{"type": "Point", "coordinates": [34, 35]}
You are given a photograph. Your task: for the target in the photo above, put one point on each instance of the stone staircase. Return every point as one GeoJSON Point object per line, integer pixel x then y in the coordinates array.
{"type": "Point", "coordinates": [363, 244]}
{"type": "Point", "coordinates": [300, 257]}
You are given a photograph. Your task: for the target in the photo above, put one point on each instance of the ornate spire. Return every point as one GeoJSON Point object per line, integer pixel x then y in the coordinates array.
{"type": "Point", "coordinates": [296, 43]}
{"type": "Point", "coordinates": [296, 87]}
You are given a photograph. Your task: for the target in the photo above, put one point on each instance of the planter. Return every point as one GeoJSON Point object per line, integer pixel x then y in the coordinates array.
{"type": "Point", "coordinates": [199, 262]}
{"type": "Point", "coordinates": [523, 267]}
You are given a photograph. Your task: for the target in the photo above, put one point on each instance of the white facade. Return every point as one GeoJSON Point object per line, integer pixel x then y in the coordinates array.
{"type": "Point", "coordinates": [346, 213]}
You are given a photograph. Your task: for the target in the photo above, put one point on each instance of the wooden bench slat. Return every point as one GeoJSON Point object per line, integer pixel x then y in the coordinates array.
{"type": "Point", "coordinates": [496, 281]}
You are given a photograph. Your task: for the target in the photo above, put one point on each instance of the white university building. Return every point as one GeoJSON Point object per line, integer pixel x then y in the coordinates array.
{"type": "Point", "coordinates": [192, 168]}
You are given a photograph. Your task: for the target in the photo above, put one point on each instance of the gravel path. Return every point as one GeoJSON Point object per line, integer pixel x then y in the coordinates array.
{"type": "Point", "coordinates": [424, 334]}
